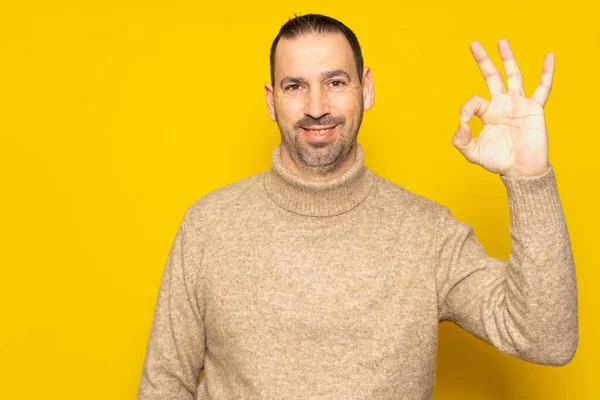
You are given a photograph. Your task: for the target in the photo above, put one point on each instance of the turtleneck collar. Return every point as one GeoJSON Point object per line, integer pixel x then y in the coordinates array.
{"type": "Point", "coordinates": [318, 199]}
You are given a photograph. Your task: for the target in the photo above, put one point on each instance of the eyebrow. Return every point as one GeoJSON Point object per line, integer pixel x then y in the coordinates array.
{"type": "Point", "coordinates": [324, 75]}
{"type": "Point", "coordinates": [292, 80]}
{"type": "Point", "coordinates": [337, 72]}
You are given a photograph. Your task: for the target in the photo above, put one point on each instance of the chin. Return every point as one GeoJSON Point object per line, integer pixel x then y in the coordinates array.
{"type": "Point", "coordinates": [319, 145]}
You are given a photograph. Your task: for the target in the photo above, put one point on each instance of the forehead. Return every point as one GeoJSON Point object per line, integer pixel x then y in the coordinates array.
{"type": "Point", "coordinates": [309, 55]}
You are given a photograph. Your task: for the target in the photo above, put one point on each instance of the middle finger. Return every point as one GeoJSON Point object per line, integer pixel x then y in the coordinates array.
{"type": "Point", "coordinates": [489, 71]}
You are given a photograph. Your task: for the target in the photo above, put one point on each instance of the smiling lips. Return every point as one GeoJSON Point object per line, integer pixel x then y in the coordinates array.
{"type": "Point", "coordinates": [319, 133]}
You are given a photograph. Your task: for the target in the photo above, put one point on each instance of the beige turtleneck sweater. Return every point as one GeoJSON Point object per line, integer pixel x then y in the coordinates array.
{"type": "Point", "coordinates": [280, 288]}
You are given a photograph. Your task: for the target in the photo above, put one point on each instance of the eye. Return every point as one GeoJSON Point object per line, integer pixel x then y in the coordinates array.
{"type": "Point", "coordinates": [292, 87]}
{"type": "Point", "coordinates": [337, 84]}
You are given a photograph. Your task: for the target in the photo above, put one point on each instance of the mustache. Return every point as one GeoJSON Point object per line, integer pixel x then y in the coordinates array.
{"type": "Point", "coordinates": [327, 120]}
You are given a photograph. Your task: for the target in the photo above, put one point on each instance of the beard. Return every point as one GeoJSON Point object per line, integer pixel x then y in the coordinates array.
{"type": "Point", "coordinates": [320, 158]}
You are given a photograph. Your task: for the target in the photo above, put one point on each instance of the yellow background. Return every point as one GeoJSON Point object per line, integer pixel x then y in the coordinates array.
{"type": "Point", "coordinates": [116, 116]}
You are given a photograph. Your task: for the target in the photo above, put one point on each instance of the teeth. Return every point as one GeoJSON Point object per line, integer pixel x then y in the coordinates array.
{"type": "Point", "coordinates": [319, 131]}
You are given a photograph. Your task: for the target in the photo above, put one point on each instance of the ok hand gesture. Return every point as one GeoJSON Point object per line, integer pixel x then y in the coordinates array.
{"type": "Point", "coordinates": [514, 141]}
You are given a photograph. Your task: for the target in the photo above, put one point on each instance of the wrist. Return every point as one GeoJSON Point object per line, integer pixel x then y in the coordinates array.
{"type": "Point", "coordinates": [529, 173]}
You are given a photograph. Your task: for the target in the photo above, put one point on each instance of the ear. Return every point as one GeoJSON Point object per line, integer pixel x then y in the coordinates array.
{"type": "Point", "coordinates": [368, 88]}
{"type": "Point", "coordinates": [270, 101]}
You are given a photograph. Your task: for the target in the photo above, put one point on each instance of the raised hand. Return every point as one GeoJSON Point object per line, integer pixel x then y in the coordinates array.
{"type": "Point", "coordinates": [514, 140]}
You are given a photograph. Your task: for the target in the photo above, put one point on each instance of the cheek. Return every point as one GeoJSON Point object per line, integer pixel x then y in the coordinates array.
{"type": "Point", "coordinates": [348, 105]}
{"type": "Point", "coordinates": [289, 110]}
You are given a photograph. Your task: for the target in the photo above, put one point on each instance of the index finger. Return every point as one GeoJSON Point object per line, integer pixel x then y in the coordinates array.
{"type": "Point", "coordinates": [489, 71]}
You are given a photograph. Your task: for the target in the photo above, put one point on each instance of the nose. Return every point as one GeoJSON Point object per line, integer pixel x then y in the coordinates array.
{"type": "Point", "coordinates": [317, 103]}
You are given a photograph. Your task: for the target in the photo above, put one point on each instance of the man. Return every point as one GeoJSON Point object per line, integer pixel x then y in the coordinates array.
{"type": "Point", "coordinates": [320, 280]}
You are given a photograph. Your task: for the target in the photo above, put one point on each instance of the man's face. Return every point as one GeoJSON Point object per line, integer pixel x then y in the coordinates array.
{"type": "Point", "coordinates": [318, 100]}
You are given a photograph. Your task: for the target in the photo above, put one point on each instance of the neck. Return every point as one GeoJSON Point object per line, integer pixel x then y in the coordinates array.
{"type": "Point", "coordinates": [319, 199]}
{"type": "Point", "coordinates": [317, 174]}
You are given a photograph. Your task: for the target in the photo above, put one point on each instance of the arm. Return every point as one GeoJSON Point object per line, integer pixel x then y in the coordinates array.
{"type": "Point", "coordinates": [526, 307]}
{"type": "Point", "coordinates": [175, 353]}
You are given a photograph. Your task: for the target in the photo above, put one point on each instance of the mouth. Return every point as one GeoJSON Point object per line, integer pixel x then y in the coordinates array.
{"type": "Point", "coordinates": [319, 133]}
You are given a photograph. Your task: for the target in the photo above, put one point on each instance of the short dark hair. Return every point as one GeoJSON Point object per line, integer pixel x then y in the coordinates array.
{"type": "Point", "coordinates": [320, 24]}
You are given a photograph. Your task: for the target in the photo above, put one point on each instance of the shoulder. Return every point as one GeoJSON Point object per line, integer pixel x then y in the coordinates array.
{"type": "Point", "coordinates": [417, 211]}
{"type": "Point", "coordinates": [226, 202]}
{"type": "Point", "coordinates": [399, 200]}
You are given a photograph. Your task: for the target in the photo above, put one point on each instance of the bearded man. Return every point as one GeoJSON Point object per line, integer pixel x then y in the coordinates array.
{"type": "Point", "coordinates": [318, 279]}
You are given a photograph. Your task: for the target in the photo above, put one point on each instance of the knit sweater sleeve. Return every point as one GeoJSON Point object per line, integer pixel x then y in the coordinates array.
{"type": "Point", "coordinates": [526, 307]}
{"type": "Point", "coordinates": [176, 348]}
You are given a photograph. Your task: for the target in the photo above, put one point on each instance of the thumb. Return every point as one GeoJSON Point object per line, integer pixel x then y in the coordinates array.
{"type": "Point", "coordinates": [463, 141]}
